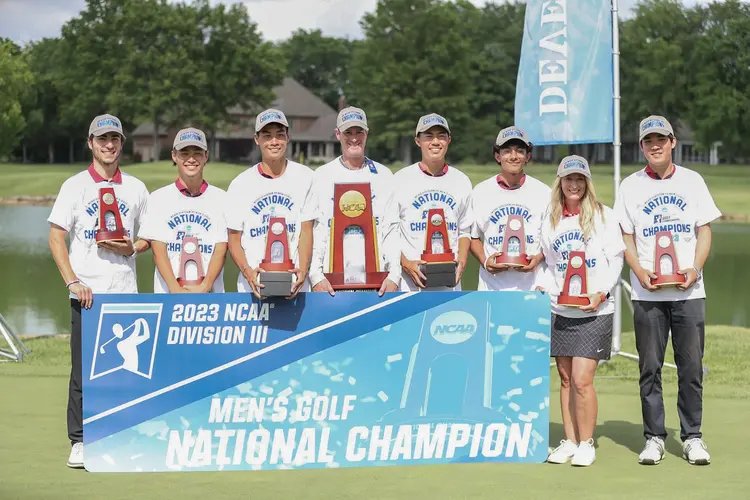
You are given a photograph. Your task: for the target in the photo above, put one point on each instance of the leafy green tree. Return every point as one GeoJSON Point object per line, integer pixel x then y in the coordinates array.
{"type": "Point", "coordinates": [15, 77]}
{"type": "Point", "coordinates": [318, 62]}
{"type": "Point", "coordinates": [720, 78]}
{"type": "Point", "coordinates": [412, 62]}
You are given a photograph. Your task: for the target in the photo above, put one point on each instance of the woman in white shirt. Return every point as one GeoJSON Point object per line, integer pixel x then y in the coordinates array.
{"type": "Point", "coordinates": [580, 238]}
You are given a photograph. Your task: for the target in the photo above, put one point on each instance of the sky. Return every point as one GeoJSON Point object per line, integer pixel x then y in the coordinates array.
{"type": "Point", "coordinates": [27, 20]}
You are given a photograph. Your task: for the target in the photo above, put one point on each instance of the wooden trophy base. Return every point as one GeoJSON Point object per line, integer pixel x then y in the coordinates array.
{"type": "Point", "coordinates": [668, 280]}
{"type": "Point", "coordinates": [373, 281]}
{"type": "Point", "coordinates": [573, 301]}
{"type": "Point", "coordinates": [102, 236]}
{"type": "Point", "coordinates": [183, 282]}
{"type": "Point", "coordinates": [276, 283]}
{"type": "Point", "coordinates": [521, 260]}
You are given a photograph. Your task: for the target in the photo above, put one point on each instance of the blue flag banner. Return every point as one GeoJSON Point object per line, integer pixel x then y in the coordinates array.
{"type": "Point", "coordinates": [565, 79]}
{"type": "Point", "coordinates": [192, 382]}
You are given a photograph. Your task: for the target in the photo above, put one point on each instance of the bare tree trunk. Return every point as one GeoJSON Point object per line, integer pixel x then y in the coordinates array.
{"type": "Point", "coordinates": [51, 152]}
{"type": "Point", "coordinates": [71, 152]}
{"type": "Point", "coordinates": [25, 153]}
{"type": "Point", "coordinates": [406, 150]}
{"type": "Point", "coordinates": [156, 140]}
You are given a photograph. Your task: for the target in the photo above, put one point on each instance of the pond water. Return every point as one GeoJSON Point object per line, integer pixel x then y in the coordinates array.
{"type": "Point", "coordinates": [34, 301]}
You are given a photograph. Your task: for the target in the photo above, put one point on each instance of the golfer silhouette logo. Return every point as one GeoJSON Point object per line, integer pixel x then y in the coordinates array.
{"type": "Point", "coordinates": [126, 339]}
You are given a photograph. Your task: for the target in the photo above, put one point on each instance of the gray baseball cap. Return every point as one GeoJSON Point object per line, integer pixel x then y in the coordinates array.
{"type": "Point", "coordinates": [432, 120]}
{"type": "Point", "coordinates": [654, 124]}
{"type": "Point", "coordinates": [190, 137]}
{"type": "Point", "coordinates": [574, 164]}
{"type": "Point", "coordinates": [351, 117]}
{"type": "Point", "coordinates": [270, 116]}
{"type": "Point", "coordinates": [512, 133]}
{"type": "Point", "coordinates": [103, 124]}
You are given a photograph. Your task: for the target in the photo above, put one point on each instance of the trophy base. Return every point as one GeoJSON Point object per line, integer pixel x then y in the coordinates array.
{"type": "Point", "coordinates": [276, 283]}
{"type": "Point", "coordinates": [285, 266]}
{"type": "Point", "coordinates": [183, 282]}
{"type": "Point", "coordinates": [573, 301]}
{"type": "Point", "coordinates": [373, 281]}
{"type": "Point", "coordinates": [438, 258]}
{"type": "Point", "coordinates": [521, 260]}
{"type": "Point", "coordinates": [102, 236]}
{"type": "Point", "coordinates": [439, 274]}
{"type": "Point", "coordinates": [667, 280]}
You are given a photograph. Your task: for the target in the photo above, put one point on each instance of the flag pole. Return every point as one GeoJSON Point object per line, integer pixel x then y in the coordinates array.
{"type": "Point", "coordinates": [616, 154]}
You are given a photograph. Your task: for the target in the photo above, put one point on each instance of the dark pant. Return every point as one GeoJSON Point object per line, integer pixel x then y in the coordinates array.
{"type": "Point", "coordinates": [653, 321]}
{"type": "Point", "coordinates": [75, 386]}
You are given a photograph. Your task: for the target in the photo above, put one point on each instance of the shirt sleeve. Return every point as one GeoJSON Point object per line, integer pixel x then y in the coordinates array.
{"type": "Point", "coordinates": [466, 217]}
{"type": "Point", "coordinates": [707, 209]}
{"type": "Point", "coordinates": [63, 210]}
{"type": "Point", "coordinates": [234, 208]}
{"type": "Point", "coordinates": [321, 234]}
{"type": "Point", "coordinates": [149, 228]}
{"type": "Point", "coordinates": [143, 208]}
{"type": "Point", "coordinates": [614, 251]}
{"type": "Point", "coordinates": [621, 212]}
{"type": "Point", "coordinates": [392, 237]}
{"type": "Point", "coordinates": [309, 205]}
{"type": "Point", "coordinates": [220, 224]}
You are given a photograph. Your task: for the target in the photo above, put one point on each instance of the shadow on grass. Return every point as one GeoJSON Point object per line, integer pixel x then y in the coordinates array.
{"type": "Point", "coordinates": [630, 435]}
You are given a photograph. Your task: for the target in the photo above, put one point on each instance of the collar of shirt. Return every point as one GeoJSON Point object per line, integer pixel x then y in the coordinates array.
{"type": "Point", "coordinates": [185, 191]}
{"type": "Point", "coordinates": [117, 178]}
{"type": "Point", "coordinates": [426, 171]}
{"type": "Point", "coordinates": [650, 172]}
{"type": "Point", "coordinates": [503, 184]}
{"type": "Point", "coordinates": [568, 213]}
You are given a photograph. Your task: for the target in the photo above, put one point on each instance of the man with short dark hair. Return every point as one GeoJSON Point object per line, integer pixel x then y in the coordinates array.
{"type": "Point", "coordinates": [92, 267]}
{"type": "Point", "coordinates": [667, 206]}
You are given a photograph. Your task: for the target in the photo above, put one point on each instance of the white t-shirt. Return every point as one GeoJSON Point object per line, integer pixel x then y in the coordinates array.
{"type": "Point", "coordinates": [679, 204]}
{"type": "Point", "coordinates": [416, 193]}
{"type": "Point", "coordinates": [383, 209]}
{"type": "Point", "coordinates": [76, 210]}
{"type": "Point", "coordinates": [172, 215]}
{"type": "Point", "coordinates": [254, 198]}
{"type": "Point", "coordinates": [604, 256]}
{"type": "Point", "coordinates": [491, 205]}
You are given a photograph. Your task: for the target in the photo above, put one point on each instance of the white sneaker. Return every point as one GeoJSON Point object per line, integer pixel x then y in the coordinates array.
{"type": "Point", "coordinates": [585, 454]}
{"type": "Point", "coordinates": [75, 460]}
{"type": "Point", "coordinates": [563, 453]}
{"type": "Point", "coordinates": [653, 452]}
{"type": "Point", "coordinates": [695, 452]}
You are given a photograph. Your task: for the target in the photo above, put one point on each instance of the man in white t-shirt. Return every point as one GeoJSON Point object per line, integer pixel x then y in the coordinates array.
{"type": "Point", "coordinates": [668, 199]}
{"type": "Point", "coordinates": [511, 192]}
{"type": "Point", "coordinates": [89, 268]}
{"type": "Point", "coordinates": [432, 183]}
{"type": "Point", "coordinates": [275, 187]}
{"type": "Point", "coordinates": [188, 207]}
{"type": "Point", "coordinates": [354, 167]}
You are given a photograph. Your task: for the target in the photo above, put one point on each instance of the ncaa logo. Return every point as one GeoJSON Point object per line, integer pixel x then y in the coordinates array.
{"type": "Point", "coordinates": [453, 327]}
{"type": "Point", "coordinates": [126, 339]}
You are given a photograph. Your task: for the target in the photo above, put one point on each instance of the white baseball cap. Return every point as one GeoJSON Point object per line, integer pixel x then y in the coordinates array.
{"type": "Point", "coordinates": [103, 124]}
{"type": "Point", "coordinates": [574, 164]}
{"type": "Point", "coordinates": [654, 124]}
{"type": "Point", "coordinates": [270, 116]}
{"type": "Point", "coordinates": [512, 133]}
{"type": "Point", "coordinates": [432, 120]}
{"type": "Point", "coordinates": [190, 137]}
{"type": "Point", "coordinates": [351, 117]}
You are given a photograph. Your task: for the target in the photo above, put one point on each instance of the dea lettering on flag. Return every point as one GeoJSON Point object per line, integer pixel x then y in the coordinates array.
{"type": "Point", "coordinates": [564, 87]}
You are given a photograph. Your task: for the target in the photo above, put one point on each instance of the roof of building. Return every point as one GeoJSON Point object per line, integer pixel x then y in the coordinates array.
{"type": "Point", "coordinates": [295, 100]}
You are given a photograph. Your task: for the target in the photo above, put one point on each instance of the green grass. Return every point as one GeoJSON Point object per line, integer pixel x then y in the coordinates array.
{"type": "Point", "coordinates": [34, 447]}
{"type": "Point", "coordinates": [727, 182]}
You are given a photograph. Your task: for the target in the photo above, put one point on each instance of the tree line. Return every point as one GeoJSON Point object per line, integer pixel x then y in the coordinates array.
{"type": "Point", "coordinates": [189, 63]}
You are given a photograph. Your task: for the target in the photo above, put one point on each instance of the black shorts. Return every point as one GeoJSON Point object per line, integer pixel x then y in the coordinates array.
{"type": "Point", "coordinates": [589, 337]}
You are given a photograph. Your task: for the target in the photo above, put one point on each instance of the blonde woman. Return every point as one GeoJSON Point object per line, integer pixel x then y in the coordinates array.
{"type": "Point", "coordinates": [579, 233]}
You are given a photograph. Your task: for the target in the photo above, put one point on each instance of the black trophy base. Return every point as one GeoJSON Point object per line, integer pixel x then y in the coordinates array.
{"type": "Point", "coordinates": [276, 283]}
{"type": "Point", "coordinates": [439, 274]}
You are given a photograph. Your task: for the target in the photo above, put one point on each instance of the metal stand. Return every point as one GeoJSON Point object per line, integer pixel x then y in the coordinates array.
{"type": "Point", "coordinates": [17, 350]}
